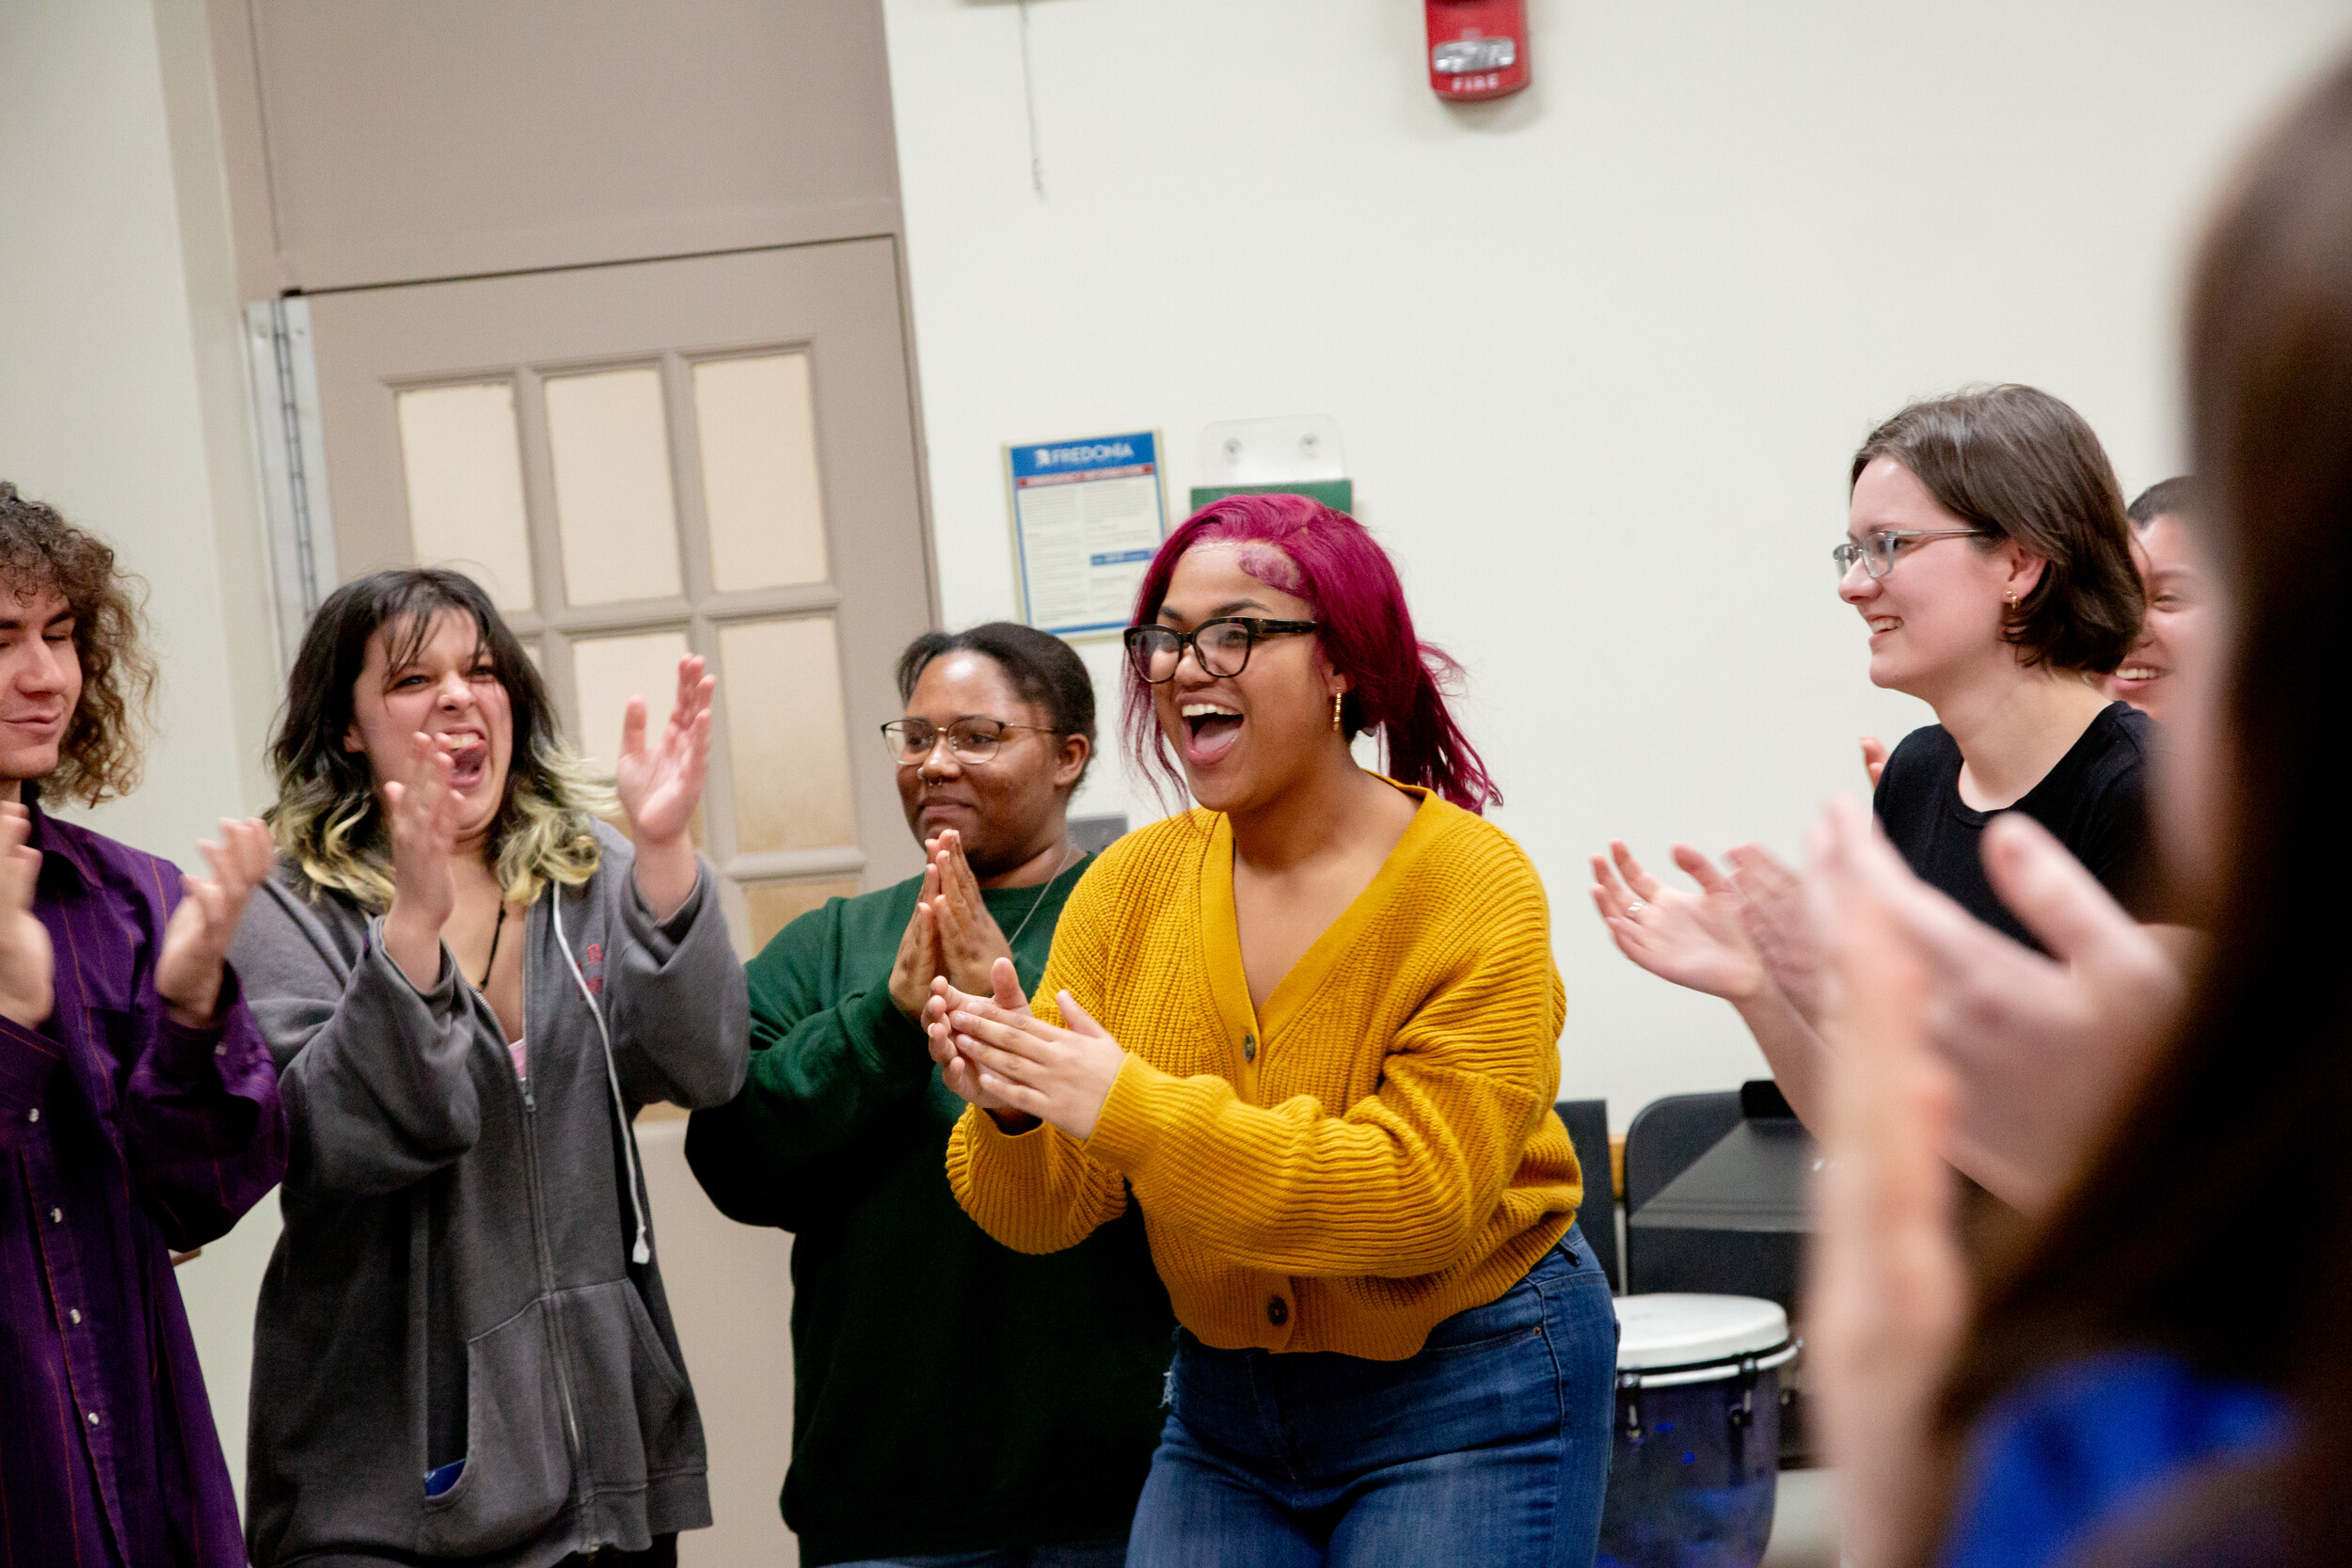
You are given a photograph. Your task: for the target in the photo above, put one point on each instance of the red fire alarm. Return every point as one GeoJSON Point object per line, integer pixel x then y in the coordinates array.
{"type": "Point", "coordinates": [1477, 48]}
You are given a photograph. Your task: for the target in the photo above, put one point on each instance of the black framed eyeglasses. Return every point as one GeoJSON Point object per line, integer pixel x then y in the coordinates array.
{"type": "Point", "coordinates": [1878, 549]}
{"type": "Point", "coordinates": [912, 740]}
{"type": "Point", "coordinates": [1220, 647]}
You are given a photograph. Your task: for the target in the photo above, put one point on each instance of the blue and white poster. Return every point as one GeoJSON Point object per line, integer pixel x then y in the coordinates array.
{"type": "Point", "coordinates": [1087, 515]}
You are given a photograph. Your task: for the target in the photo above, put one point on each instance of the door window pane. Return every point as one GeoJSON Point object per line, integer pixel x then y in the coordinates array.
{"type": "Point", "coordinates": [773, 906]}
{"type": "Point", "coordinates": [759, 435]}
{"type": "Point", "coordinates": [465, 476]}
{"type": "Point", "coordinates": [610, 671]}
{"type": "Point", "coordinates": [787, 740]}
{"type": "Point", "coordinates": [608, 442]}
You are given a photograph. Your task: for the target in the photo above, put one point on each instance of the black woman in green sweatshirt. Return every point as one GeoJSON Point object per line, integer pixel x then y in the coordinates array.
{"type": "Point", "coordinates": [899, 1454]}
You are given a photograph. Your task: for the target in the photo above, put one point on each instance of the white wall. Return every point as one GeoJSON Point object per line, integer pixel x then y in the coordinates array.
{"type": "Point", "coordinates": [1599, 352]}
{"type": "Point", "coordinates": [121, 404]}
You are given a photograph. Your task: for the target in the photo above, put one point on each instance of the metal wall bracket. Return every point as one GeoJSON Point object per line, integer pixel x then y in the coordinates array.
{"type": "Point", "coordinates": [299, 527]}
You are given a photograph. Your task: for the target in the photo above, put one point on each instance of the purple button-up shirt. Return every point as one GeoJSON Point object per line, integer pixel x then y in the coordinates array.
{"type": "Point", "coordinates": [121, 1135]}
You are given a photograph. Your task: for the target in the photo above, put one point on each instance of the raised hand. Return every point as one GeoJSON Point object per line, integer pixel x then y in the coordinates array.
{"type": "Point", "coordinates": [421, 813]}
{"type": "Point", "coordinates": [918, 964]}
{"type": "Point", "coordinates": [2043, 1047]}
{"type": "Point", "coordinates": [969, 940]}
{"type": "Point", "coordinates": [195, 943]}
{"type": "Point", "coordinates": [1778, 918]}
{"type": "Point", "coordinates": [1874, 755]}
{"type": "Point", "coordinates": [1692, 940]}
{"type": "Point", "coordinates": [1888, 1292]}
{"type": "Point", "coordinates": [661, 783]}
{"type": "Point", "coordinates": [1058, 1075]}
{"type": "Point", "coordinates": [29, 965]}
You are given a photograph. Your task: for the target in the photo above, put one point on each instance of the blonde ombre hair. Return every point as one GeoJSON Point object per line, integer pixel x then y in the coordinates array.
{"type": "Point", "coordinates": [329, 820]}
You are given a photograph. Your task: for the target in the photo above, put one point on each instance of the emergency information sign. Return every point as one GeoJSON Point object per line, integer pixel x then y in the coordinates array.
{"type": "Point", "coordinates": [1087, 515]}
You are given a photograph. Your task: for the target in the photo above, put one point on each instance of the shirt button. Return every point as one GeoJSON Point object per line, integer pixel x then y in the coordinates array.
{"type": "Point", "coordinates": [1249, 1048]}
{"type": "Point", "coordinates": [221, 1050]}
{"type": "Point", "coordinates": [34, 1114]}
{"type": "Point", "coordinates": [1277, 1312]}
{"type": "Point", "coordinates": [93, 1418]}
{"type": "Point", "coordinates": [56, 1216]}
{"type": "Point", "coordinates": [74, 1313]}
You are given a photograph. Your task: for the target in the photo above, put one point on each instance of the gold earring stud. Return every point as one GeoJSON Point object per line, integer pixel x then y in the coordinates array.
{"type": "Point", "coordinates": [1338, 698]}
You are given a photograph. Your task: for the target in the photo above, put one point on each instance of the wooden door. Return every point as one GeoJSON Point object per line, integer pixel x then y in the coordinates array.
{"type": "Point", "coordinates": [715, 453]}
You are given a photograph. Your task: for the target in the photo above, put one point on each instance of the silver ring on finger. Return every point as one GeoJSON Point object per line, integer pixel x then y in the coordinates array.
{"type": "Point", "coordinates": [1635, 908]}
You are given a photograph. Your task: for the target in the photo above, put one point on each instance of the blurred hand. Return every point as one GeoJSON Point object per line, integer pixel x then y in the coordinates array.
{"type": "Point", "coordinates": [1874, 755]}
{"type": "Point", "coordinates": [1888, 1293]}
{"type": "Point", "coordinates": [918, 964]}
{"type": "Point", "coordinates": [2042, 1048]}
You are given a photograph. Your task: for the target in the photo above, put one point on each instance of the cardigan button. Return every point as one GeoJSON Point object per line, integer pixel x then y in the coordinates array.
{"type": "Point", "coordinates": [1277, 1312]}
{"type": "Point", "coordinates": [1249, 1048]}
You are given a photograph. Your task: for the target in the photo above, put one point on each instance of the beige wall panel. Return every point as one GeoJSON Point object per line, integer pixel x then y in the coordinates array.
{"type": "Point", "coordinates": [609, 446]}
{"type": "Point", "coordinates": [756, 424]}
{"type": "Point", "coordinates": [412, 139]}
{"type": "Point", "coordinates": [773, 906]}
{"type": "Point", "coordinates": [788, 745]}
{"type": "Point", "coordinates": [730, 1290]}
{"type": "Point", "coordinates": [463, 462]}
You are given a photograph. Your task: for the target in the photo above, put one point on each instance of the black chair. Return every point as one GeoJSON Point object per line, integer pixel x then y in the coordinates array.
{"type": "Point", "coordinates": [1588, 1130]}
{"type": "Point", "coordinates": [1668, 1138]}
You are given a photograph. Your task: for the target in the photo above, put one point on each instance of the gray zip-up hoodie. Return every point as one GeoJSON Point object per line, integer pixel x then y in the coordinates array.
{"type": "Point", "coordinates": [455, 1280]}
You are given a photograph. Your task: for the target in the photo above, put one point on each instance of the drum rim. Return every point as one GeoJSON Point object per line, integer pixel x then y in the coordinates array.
{"type": "Point", "coordinates": [1714, 1368]}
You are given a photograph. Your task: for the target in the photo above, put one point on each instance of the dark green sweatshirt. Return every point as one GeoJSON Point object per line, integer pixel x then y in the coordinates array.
{"type": "Point", "coordinates": [949, 1395]}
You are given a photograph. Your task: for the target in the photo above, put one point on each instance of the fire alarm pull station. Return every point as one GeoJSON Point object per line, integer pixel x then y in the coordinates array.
{"type": "Point", "coordinates": [1477, 48]}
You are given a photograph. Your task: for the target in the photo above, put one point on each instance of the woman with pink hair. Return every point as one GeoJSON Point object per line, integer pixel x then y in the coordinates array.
{"type": "Point", "coordinates": [1310, 1028]}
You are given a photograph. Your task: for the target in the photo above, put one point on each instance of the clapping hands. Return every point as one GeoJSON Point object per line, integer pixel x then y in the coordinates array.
{"type": "Point", "coordinates": [195, 943]}
{"type": "Point", "coordinates": [994, 1053]}
{"type": "Point", "coordinates": [29, 965]}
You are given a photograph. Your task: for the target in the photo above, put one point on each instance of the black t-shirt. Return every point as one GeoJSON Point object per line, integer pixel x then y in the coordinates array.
{"type": "Point", "coordinates": [2095, 800]}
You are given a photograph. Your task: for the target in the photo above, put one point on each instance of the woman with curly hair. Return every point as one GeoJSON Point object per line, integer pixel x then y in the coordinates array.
{"type": "Point", "coordinates": [462, 1348]}
{"type": "Point", "coordinates": [138, 1108]}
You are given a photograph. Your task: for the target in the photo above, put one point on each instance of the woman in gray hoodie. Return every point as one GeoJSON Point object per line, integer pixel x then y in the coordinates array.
{"type": "Point", "coordinates": [471, 984]}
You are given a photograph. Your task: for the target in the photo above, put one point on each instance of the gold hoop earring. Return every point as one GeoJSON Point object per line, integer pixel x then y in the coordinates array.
{"type": "Point", "coordinates": [1338, 698]}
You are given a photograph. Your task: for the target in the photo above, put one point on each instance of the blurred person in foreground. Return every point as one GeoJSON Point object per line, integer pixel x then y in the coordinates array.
{"type": "Point", "coordinates": [2123, 1394]}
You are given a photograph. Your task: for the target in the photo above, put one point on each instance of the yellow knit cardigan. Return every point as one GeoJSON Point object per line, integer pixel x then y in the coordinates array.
{"type": "Point", "coordinates": [1375, 1154]}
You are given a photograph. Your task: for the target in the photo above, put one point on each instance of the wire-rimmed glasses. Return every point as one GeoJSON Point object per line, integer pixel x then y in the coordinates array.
{"type": "Point", "coordinates": [973, 740]}
{"type": "Point", "coordinates": [1220, 647]}
{"type": "Point", "coordinates": [1878, 549]}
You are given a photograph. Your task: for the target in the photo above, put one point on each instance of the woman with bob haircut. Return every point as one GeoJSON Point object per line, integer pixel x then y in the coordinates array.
{"type": "Point", "coordinates": [2114, 1399]}
{"type": "Point", "coordinates": [1988, 553]}
{"type": "Point", "coordinates": [463, 1349]}
{"type": "Point", "coordinates": [1312, 1025]}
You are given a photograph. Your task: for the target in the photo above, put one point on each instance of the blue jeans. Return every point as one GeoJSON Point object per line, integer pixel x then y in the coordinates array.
{"type": "Point", "coordinates": [1489, 1448]}
{"type": "Point", "coordinates": [1077, 1554]}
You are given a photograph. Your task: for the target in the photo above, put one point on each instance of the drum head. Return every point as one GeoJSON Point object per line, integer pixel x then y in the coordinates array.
{"type": "Point", "coordinates": [1676, 1330]}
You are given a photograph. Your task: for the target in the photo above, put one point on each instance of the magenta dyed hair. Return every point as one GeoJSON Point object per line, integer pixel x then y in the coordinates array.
{"type": "Point", "coordinates": [1394, 678]}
